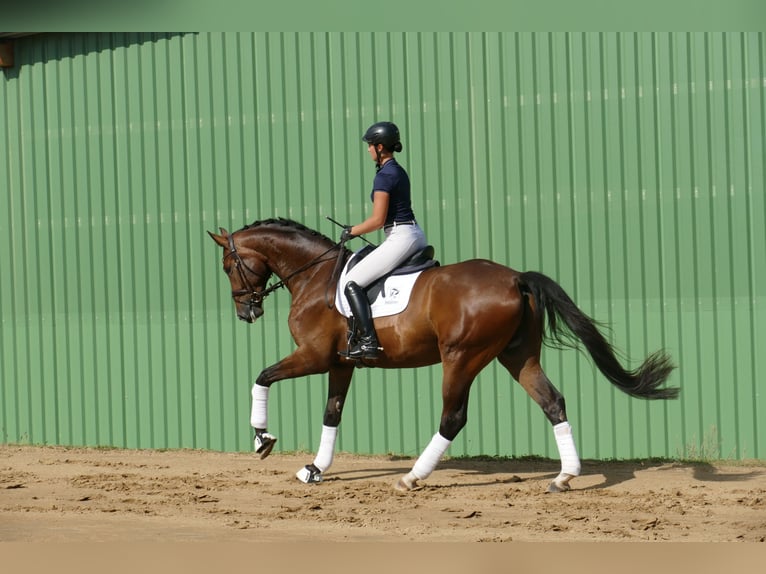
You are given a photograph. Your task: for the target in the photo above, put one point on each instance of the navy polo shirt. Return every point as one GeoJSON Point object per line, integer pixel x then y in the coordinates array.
{"type": "Point", "coordinates": [393, 179]}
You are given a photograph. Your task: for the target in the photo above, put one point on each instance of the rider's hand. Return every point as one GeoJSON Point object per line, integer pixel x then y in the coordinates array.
{"type": "Point", "coordinates": [346, 235]}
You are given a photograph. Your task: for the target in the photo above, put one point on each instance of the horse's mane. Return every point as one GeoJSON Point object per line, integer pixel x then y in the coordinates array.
{"type": "Point", "coordinates": [288, 223]}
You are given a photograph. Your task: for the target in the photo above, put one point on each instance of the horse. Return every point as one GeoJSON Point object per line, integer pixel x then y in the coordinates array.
{"type": "Point", "coordinates": [462, 315]}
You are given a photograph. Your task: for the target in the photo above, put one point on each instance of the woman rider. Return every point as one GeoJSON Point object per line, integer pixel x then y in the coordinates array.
{"type": "Point", "coordinates": [392, 211]}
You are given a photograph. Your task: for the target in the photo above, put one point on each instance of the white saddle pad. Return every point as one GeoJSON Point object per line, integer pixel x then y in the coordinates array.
{"type": "Point", "coordinates": [392, 300]}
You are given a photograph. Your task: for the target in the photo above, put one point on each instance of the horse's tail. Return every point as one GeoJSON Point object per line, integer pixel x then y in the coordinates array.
{"type": "Point", "coordinates": [553, 303]}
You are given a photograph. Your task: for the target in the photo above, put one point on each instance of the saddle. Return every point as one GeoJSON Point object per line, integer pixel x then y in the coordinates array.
{"type": "Point", "coordinates": [419, 261]}
{"type": "Point", "coordinates": [388, 295]}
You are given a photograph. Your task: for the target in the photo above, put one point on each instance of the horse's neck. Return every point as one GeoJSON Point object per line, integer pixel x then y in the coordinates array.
{"type": "Point", "coordinates": [296, 259]}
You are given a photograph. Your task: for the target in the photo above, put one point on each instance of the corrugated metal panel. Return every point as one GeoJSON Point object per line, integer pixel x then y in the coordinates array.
{"type": "Point", "coordinates": [627, 166]}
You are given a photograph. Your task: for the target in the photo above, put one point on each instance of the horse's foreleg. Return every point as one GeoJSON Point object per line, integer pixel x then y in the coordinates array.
{"type": "Point", "coordinates": [290, 367]}
{"type": "Point", "coordinates": [534, 380]}
{"type": "Point", "coordinates": [259, 415]}
{"type": "Point", "coordinates": [340, 380]}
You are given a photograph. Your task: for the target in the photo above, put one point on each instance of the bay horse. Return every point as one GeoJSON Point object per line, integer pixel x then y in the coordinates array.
{"type": "Point", "coordinates": [463, 315]}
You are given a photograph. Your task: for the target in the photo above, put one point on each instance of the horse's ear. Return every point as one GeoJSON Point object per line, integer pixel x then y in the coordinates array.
{"type": "Point", "coordinates": [220, 240]}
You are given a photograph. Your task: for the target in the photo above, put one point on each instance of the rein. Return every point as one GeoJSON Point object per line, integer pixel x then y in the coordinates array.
{"type": "Point", "coordinates": [257, 297]}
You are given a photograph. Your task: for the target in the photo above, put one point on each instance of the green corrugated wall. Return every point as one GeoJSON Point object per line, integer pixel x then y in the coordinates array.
{"type": "Point", "coordinates": [630, 167]}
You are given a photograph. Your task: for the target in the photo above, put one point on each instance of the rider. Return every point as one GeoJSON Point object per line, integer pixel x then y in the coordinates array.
{"type": "Point", "coordinates": [392, 211]}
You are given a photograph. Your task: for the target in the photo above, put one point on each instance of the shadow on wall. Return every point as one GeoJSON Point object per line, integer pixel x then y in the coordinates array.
{"type": "Point", "coordinates": [28, 49]}
{"type": "Point", "coordinates": [83, 14]}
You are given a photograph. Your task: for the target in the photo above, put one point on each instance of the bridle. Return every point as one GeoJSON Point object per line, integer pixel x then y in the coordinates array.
{"type": "Point", "coordinates": [256, 297]}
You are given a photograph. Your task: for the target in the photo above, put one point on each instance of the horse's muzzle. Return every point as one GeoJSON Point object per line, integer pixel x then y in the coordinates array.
{"type": "Point", "coordinates": [249, 313]}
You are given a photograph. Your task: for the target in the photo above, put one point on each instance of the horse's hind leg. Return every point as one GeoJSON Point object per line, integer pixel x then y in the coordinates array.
{"type": "Point", "coordinates": [459, 372]}
{"type": "Point", "coordinates": [430, 457]}
{"type": "Point", "coordinates": [454, 418]}
{"type": "Point", "coordinates": [531, 376]}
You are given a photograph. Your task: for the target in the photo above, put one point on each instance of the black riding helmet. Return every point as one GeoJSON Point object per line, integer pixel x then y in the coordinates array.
{"type": "Point", "coordinates": [385, 133]}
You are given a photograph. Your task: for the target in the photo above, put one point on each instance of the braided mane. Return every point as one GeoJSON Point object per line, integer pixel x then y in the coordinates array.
{"type": "Point", "coordinates": [288, 223]}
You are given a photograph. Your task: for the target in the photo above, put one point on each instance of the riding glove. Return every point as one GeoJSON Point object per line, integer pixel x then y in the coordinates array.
{"type": "Point", "coordinates": [346, 235]}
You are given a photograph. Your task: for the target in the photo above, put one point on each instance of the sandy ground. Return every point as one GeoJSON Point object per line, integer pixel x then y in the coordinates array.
{"type": "Point", "coordinates": [53, 494]}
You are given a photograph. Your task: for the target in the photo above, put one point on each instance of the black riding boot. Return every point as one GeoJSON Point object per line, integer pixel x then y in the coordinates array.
{"type": "Point", "coordinates": [365, 346]}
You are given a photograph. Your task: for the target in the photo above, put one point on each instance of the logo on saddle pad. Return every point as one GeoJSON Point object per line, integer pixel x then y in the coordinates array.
{"type": "Point", "coordinates": [390, 294]}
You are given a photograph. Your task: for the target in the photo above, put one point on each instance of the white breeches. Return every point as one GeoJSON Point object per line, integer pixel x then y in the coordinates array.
{"type": "Point", "coordinates": [402, 241]}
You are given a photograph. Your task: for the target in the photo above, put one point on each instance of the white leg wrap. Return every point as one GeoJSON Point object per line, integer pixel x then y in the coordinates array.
{"type": "Point", "coordinates": [570, 462]}
{"type": "Point", "coordinates": [326, 450]}
{"type": "Point", "coordinates": [427, 461]}
{"type": "Point", "coordinates": [259, 413]}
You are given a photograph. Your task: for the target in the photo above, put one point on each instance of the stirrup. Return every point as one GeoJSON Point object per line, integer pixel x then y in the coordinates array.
{"type": "Point", "coordinates": [362, 350]}
{"type": "Point", "coordinates": [263, 443]}
{"type": "Point", "coordinates": [309, 474]}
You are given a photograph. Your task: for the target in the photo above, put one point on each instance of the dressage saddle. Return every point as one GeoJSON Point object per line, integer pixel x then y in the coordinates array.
{"type": "Point", "coordinates": [419, 261]}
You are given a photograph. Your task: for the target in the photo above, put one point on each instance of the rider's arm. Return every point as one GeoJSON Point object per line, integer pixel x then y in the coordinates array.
{"type": "Point", "coordinates": [376, 221]}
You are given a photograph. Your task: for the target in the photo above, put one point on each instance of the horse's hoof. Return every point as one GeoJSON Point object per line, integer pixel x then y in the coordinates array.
{"type": "Point", "coordinates": [560, 483]}
{"type": "Point", "coordinates": [406, 483]}
{"type": "Point", "coordinates": [553, 487]}
{"type": "Point", "coordinates": [309, 474]}
{"type": "Point", "coordinates": [263, 443]}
